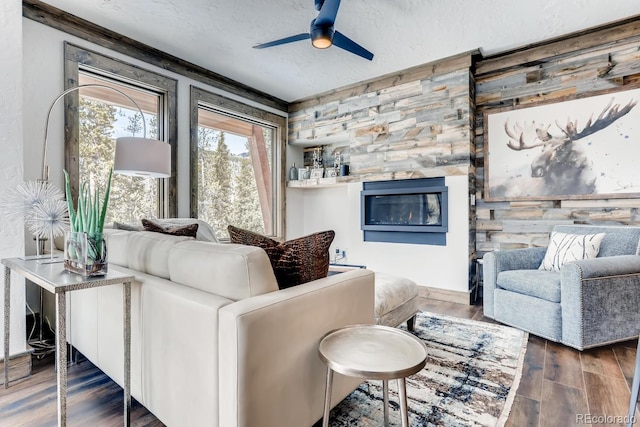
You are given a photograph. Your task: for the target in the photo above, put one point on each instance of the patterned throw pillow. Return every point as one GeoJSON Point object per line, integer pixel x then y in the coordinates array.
{"type": "Point", "coordinates": [189, 230]}
{"type": "Point", "coordinates": [570, 247]}
{"type": "Point", "coordinates": [294, 262]}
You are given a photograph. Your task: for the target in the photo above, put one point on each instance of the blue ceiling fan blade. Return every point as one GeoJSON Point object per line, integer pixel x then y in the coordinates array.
{"type": "Point", "coordinates": [290, 39]}
{"type": "Point", "coordinates": [328, 12]}
{"type": "Point", "coordinates": [347, 44]}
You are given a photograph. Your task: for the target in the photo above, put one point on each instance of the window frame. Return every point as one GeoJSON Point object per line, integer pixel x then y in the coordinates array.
{"type": "Point", "coordinates": [217, 103]}
{"type": "Point", "coordinates": [78, 58]}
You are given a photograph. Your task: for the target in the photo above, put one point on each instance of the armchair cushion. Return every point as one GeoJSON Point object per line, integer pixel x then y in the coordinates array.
{"type": "Point", "coordinates": [565, 247]}
{"type": "Point", "coordinates": [536, 283]}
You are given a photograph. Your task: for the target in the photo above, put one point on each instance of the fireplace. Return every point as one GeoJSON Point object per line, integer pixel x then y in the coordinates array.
{"type": "Point", "coordinates": [405, 211]}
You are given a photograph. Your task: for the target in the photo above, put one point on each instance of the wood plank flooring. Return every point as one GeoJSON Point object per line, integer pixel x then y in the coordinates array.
{"type": "Point", "coordinates": [558, 386]}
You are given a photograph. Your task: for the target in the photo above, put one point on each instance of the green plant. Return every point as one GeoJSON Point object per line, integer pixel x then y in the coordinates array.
{"type": "Point", "coordinates": [91, 212]}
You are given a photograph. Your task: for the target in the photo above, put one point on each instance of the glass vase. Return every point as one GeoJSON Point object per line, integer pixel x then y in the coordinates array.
{"type": "Point", "coordinates": [85, 255]}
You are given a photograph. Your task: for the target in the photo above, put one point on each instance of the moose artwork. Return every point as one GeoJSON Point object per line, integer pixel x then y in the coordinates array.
{"type": "Point", "coordinates": [577, 149]}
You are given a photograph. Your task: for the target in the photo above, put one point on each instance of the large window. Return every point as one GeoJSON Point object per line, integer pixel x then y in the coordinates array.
{"type": "Point", "coordinates": [236, 165]}
{"type": "Point", "coordinates": [104, 115]}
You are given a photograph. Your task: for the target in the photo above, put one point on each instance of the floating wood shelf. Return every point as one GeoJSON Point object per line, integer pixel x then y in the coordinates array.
{"type": "Point", "coordinates": [318, 182]}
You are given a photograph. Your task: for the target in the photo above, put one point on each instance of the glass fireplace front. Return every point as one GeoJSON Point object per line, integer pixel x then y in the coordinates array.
{"type": "Point", "coordinates": [405, 211]}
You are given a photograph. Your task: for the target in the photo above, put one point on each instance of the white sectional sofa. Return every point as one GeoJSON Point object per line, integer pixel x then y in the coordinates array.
{"type": "Point", "coordinates": [214, 342]}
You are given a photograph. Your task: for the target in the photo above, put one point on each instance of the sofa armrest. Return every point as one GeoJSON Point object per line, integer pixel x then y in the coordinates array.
{"type": "Point", "coordinates": [600, 300]}
{"type": "Point", "coordinates": [270, 371]}
{"type": "Point", "coordinates": [497, 261]}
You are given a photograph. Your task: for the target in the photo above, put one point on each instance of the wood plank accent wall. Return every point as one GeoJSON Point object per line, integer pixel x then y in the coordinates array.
{"type": "Point", "coordinates": [412, 124]}
{"type": "Point", "coordinates": [604, 58]}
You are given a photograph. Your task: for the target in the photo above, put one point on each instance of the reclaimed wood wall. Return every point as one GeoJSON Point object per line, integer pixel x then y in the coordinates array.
{"type": "Point", "coordinates": [408, 125]}
{"type": "Point", "coordinates": [607, 58]}
{"type": "Point", "coordinates": [413, 124]}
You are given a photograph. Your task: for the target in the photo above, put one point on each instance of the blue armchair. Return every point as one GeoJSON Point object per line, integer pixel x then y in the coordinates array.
{"type": "Point", "coordinates": [588, 303]}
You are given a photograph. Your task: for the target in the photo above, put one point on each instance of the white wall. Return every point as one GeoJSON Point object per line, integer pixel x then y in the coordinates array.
{"type": "Point", "coordinates": [11, 166]}
{"type": "Point", "coordinates": [338, 208]}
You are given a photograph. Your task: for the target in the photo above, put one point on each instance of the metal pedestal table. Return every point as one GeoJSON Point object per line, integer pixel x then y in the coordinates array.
{"type": "Point", "coordinates": [373, 352]}
{"type": "Point", "coordinates": [55, 279]}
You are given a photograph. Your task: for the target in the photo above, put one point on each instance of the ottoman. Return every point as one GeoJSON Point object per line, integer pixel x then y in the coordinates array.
{"type": "Point", "coordinates": [396, 300]}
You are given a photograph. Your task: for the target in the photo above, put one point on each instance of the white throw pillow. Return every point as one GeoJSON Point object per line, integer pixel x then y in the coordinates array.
{"type": "Point", "coordinates": [570, 247]}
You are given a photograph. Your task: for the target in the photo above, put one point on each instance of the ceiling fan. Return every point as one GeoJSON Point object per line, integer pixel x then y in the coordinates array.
{"type": "Point", "coordinates": [322, 34]}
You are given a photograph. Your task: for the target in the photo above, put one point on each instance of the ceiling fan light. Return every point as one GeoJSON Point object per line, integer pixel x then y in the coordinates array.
{"type": "Point", "coordinates": [321, 37]}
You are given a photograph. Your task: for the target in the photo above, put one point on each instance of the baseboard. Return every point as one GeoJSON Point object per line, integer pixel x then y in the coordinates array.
{"type": "Point", "coordinates": [445, 295]}
{"type": "Point", "coordinates": [19, 366]}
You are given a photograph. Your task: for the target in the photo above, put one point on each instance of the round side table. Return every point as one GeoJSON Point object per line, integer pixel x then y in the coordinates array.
{"type": "Point", "coordinates": [374, 352]}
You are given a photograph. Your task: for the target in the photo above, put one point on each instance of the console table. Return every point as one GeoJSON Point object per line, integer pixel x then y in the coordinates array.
{"type": "Point", "coordinates": [54, 278]}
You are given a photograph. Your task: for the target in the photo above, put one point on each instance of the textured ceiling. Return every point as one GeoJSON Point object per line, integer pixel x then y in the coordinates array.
{"type": "Point", "coordinates": [219, 34]}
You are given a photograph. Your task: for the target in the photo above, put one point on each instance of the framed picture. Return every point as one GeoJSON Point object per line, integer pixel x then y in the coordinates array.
{"type": "Point", "coordinates": [317, 173]}
{"type": "Point", "coordinates": [311, 155]}
{"type": "Point", "coordinates": [583, 148]}
{"type": "Point", "coordinates": [330, 173]}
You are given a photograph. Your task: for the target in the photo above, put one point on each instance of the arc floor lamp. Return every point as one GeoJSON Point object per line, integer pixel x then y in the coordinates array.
{"type": "Point", "coordinates": [134, 156]}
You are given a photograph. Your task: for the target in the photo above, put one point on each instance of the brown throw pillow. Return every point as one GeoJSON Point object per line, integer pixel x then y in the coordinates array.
{"type": "Point", "coordinates": [294, 262]}
{"type": "Point", "coordinates": [187, 230]}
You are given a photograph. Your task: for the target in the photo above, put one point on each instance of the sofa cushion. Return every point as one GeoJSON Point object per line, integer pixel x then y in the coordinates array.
{"type": "Point", "coordinates": [295, 261]}
{"type": "Point", "coordinates": [189, 230]}
{"type": "Point", "coordinates": [536, 283]}
{"type": "Point", "coordinates": [117, 246]}
{"type": "Point", "coordinates": [232, 271]}
{"type": "Point", "coordinates": [149, 252]}
{"type": "Point", "coordinates": [565, 247]}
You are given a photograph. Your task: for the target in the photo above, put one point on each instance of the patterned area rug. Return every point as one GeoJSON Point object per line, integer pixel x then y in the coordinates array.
{"type": "Point", "coordinates": [472, 373]}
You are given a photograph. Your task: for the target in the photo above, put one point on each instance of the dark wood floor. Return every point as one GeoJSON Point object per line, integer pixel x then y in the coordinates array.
{"type": "Point", "coordinates": [557, 386]}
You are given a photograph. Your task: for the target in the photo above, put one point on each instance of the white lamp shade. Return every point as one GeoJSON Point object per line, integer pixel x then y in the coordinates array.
{"type": "Point", "coordinates": [142, 157]}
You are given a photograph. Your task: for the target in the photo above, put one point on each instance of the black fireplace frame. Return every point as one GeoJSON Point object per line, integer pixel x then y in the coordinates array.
{"type": "Point", "coordinates": [428, 234]}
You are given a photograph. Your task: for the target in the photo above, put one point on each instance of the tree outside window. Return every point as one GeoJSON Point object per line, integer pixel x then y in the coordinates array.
{"type": "Point", "coordinates": [227, 187]}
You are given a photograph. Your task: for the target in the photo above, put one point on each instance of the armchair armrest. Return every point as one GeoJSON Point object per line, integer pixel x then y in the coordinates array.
{"type": "Point", "coordinates": [270, 371]}
{"type": "Point", "coordinates": [495, 262]}
{"type": "Point", "coordinates": [516, 259]}
{"type": "Point", "coordinates": [606, 266]}
{"type": "Point", "coordinates": [600, 300]}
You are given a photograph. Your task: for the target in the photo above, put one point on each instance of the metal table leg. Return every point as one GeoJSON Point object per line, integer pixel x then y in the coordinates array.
{"type": "Point", "coordinates": [634, 388]}
{"type": "Point", "coordinates": [385, 401]}
{"type": "Point", "coordinates": [7, 319]}
{"type": "Point", "coordinates": [61, 352]}
{"type": "Point", "coordinates": [327, 398]}
{"type": "Point", "coordinates": [402, 395]}
{"type": "Point", "coordinates": [127, 352]}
